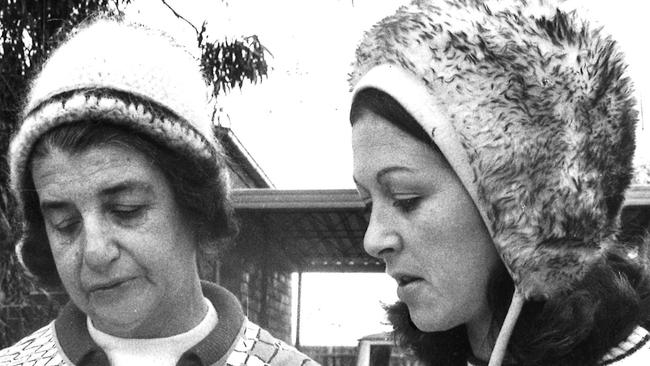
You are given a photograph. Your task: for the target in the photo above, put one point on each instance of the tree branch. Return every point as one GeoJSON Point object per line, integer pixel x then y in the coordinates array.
{"type": "Point", "coordinates": [181, 17]}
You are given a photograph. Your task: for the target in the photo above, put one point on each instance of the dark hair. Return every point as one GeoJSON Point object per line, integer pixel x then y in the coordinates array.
{"type": "Point", "coordinates": [196, 184]}
{"type": "Point", "coordinates": [575, 329]}
{"type": "Point", "coordinates": [380, 103]}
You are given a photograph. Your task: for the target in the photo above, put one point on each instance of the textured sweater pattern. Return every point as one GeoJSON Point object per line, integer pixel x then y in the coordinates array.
{"type": "Point", "coordinates": [235, 341]}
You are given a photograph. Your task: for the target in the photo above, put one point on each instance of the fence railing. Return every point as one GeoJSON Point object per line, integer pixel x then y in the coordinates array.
{"type": "Point", "coordinates": [332, 355]}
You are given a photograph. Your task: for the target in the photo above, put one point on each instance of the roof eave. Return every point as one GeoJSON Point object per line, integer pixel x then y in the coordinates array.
{"type": "Point", "coordinates": [281, 199]}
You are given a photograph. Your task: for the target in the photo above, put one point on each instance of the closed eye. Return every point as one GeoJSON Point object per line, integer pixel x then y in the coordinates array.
{"type": "Point", "coordinates": [67, 226]}
{"type": "Point", "coordinates": [128, 212]}
{"type": "Point", "coordinates": [407, 204]}
{"type": "Point", "coordinates": [61, 218]}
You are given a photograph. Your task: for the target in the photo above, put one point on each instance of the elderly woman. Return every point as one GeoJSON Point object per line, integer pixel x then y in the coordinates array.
{"type": "Point", "coordinates": [492, 148]}
{"type": "Point", "coordinates": [121, 183]}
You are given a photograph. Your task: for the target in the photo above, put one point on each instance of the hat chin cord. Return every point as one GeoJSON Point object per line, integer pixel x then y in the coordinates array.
{"type": "Point", "coordinates": [499, 350]}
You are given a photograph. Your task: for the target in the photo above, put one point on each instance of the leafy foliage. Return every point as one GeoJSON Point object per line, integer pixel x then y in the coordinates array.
{"type": "Point", "coordinates": [228, 64]}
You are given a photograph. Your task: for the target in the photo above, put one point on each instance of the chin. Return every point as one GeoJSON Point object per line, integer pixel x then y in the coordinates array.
{"type": "Point", "coordinates": [124, 319]}
{"type": "Point", "coordinates": [427, 320]}
{"type": "Point", "coordinates": [110, 325]}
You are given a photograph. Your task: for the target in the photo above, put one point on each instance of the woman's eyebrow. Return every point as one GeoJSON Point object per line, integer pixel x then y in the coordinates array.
{"type": "Point", "coordinates": [47, 205]}
{"type": "Point", "coordinates": [383, 172]}
{"type": "Point", "coordinates": [381, 175]}
{"type": "Point", "coordinates": [127, 187]}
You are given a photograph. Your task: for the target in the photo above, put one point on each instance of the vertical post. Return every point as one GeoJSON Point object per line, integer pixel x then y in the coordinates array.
{"type": "Point", "coordinates": [263, 318]}
{"type": "Point", "coordinates": [298, 309]}
{"type": "Point", "coordinates": [216, 271]}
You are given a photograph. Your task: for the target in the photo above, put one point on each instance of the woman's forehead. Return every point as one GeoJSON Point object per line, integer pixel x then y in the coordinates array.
{"type": "Point", "coordinates": [374, 130]}
{"type": "Point", "coordinates": [379, 147]}
{"type": "Point", "coordinates": [101, 170]}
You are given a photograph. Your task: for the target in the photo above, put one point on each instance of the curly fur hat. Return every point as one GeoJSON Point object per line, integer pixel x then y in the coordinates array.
{"type": "Point", "coordinates": [533, 112]}
{"type": "Point", "coordinates": [122, 73]}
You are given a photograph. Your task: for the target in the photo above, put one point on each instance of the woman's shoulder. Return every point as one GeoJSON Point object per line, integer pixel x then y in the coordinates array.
{"type": "Point", "coordinates": [256, 346]}
{"type": "Point", "coordinates": [634, 351]}
{"type": "Point", "coordinates": [38, 348]}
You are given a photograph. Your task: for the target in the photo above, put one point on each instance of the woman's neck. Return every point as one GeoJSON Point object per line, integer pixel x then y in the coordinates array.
{"type": "Point", "coordinates": [193, 302]}
{"type": "Point", "coordinates": [480, 333]}
{"type": "Point", "coordinates": [183, 311]}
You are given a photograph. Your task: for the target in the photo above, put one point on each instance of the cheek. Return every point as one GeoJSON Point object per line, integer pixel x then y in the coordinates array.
{"type": "Point", "coordinates": [184, 240]}
{"type": "Point", "coordinates": [458, 255]}
{"type": "Point", "coordinates": [438, 311]}
{"type": "Point", "coordinates": [452, 236]}
{"type": "Point", "coordinates": [162, 248]}
{"type": "Point", "coordinates": [68, 262]}
{"type": "Point", "coordinates": [148, 251]}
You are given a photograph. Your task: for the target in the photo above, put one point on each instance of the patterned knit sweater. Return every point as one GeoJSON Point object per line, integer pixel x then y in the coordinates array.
{"type": "Point", "coordinates": [634, 351]}
{"type": "Point", "coordinates": [235, 341]}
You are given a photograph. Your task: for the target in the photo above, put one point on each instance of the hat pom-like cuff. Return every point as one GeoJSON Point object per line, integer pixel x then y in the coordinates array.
{"type": "Point", "coordinates": [86, 105]}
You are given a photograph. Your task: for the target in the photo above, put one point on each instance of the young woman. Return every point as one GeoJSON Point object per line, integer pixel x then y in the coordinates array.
{"type": "Point", "coordinates": [493, 148]}
{"type": "Point", "coordinates": [122, 184]}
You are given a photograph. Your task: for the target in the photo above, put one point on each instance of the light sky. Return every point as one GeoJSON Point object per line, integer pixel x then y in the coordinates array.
{"type": "Point", "coordinates": [295, 125]}
{"type": "Point", "coordinates": [339, 309]}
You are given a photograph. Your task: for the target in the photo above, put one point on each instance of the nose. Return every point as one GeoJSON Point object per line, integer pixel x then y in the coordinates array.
{"type": "Point", "coordinates": [382, 237]}
{"type": "Point", "coordinates": [100, 248]}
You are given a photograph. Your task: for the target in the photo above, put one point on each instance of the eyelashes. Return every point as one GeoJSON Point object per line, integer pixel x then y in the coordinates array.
{"type": "Point", "coordinates": [128, 212]}
{"type": "Point", "coordinates": [66, 226]}
{"type": "Point", "coordinates": [127, 215]}
{"type": "Point", "coordinates": [407, 205]}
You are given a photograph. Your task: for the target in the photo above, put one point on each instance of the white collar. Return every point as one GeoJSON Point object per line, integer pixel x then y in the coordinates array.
{"type": "Point", "coordinates": [153, 351]}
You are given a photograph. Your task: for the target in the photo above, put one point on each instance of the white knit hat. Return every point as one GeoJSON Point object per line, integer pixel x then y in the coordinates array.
{"type": "Point", "coordinates": [84, 78]}
{"type": "Point", "coordinates": [124, 74]}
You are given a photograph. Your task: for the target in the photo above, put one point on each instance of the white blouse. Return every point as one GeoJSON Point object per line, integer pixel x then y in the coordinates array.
{"type": "Point", "coordinates": [153, 351]}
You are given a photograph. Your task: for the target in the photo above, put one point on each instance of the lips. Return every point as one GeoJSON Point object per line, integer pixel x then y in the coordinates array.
{"type": "Point", "coordinates": [408, 285]}
{"type": "Point", "coordinates": [108, 285]}
{"type": "Point", "coordinates": [405, 280]}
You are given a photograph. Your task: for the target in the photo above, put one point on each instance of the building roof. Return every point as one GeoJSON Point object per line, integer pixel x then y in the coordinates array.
{"type": "Point", "coordinates": [318, 230]}
{"type": "Point", "coordinates": [322, 230]}
{"type": "Point", "coordinates": [245, 172]}
{"type": "Point", "coordinates": [637, 195]}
